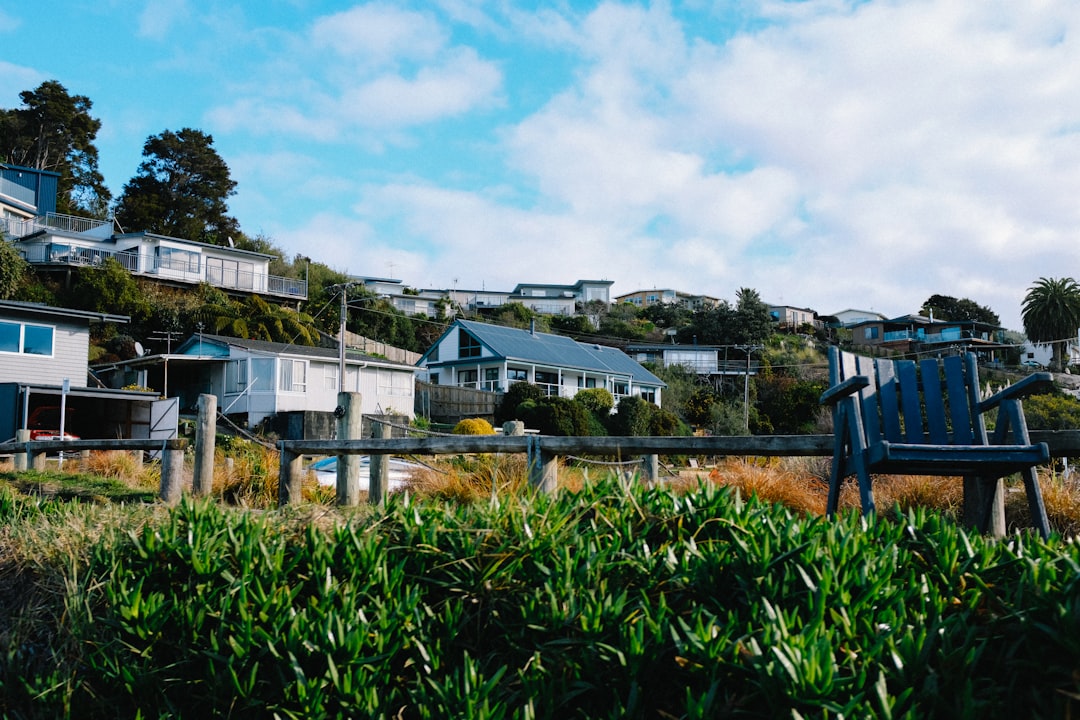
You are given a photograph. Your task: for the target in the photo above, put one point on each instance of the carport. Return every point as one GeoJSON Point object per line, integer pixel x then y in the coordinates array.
{"type": "Point", "coordinates": [90, 413]}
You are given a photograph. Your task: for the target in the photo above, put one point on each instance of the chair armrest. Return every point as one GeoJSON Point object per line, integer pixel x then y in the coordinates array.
{"type": "Point", "coordinates": [838, 392]}
{"type": "Point", "coordinates": [1032, 384]}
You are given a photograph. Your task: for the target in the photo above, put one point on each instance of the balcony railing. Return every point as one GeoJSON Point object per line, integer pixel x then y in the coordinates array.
{"type": "Point", "coordinates": [74, 255]}
{"type": "Point", "coordinates": [19, 227]}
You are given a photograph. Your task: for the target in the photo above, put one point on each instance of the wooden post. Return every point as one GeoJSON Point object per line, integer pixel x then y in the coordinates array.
{"type": "Point", "coordinates": [36, 460]}
{"type": "Point", "coordinates": [205, 432]}
{"type": "Point", "coordinates": [379, 468]}
{"type": "Point", "coordinates": [290, 477]}
{"type": "Point", "coordinates": [650, 469]}
{"type": "Point", "coordinates": [21, 459]}
{"type": "Point", "coordinates": [349, 427]}
{"type": "Point", "coordinates": [172, 471]}
{"type": "Point", "coordinates": [984, 505]}
{"type": "Point", "coordinates": [543, 467]}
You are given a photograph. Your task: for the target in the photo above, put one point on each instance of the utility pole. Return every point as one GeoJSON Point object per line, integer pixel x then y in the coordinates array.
{"type": "Point", "coordinates": [746, 384]}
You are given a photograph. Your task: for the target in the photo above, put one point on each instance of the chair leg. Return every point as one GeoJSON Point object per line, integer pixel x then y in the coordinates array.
{"type": "Point", "coordinates": [836, 477]}
{"type": "Point", "coordinates": [1035, 502]}
{"type": "Point", "coordinates": [866, 492]}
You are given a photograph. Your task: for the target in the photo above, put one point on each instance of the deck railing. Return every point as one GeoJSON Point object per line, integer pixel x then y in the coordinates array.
{"type": "Point", "coordinates": [194, 273]}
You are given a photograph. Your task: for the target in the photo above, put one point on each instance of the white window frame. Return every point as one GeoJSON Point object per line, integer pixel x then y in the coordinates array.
{"type": "Point", "coordinates": [292, 375]}
{"type": "Point", "coordinates": [21, 343]}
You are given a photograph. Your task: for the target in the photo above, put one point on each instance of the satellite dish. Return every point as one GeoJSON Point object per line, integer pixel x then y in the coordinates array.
{"type": "Point", "coordinates": [139, 351]}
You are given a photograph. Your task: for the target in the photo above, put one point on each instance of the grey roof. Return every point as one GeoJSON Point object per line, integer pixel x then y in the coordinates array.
{"type": "Point", "coordinates": [276, 348]}
{"type": "Point", "coordinates": [557, 350]}
{"type": "Point", "coordinates": [42, 309]}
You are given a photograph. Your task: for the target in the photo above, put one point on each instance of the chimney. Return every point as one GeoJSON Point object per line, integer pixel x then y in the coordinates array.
{"type": "Point", "coordinates": [532, 327]}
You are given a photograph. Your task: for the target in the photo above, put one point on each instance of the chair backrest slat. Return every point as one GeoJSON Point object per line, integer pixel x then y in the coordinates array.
{"type": "Point", "coordinates": [869, 395]}
{"type": "Point", "coordinates": [888, 398]}
{"type": "Point", "coordinates": [974, 397]}
{"type": "Point", "coordinates": [959, 412]}
{"type": "Point", "coordinates": [908, 376]}
{"type": "Point", "coordinates": [934, 402]}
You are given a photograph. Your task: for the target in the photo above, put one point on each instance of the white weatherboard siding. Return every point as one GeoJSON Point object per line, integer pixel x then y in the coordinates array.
{"type": "Point", "coordinates": [71, 346]}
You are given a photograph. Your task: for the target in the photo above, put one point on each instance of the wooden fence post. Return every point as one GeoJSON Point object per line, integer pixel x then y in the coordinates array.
{"type": "Point", "coordinates": [650, 468]}
{"type": "Point", "coordinates": [205, 432]}
{"type": "Point", "coordinates": [21, 460]}
{"type": "Point", "coordinates": [543, 467]}
{"type": "Point", "coordinates": [172, 471]}
{"type": "Point", "coordinates": [290, 477]}
{"type": "Point", "coordinates": [984, 506]}
{"type": "Point", "coordinates": [379, 468]}
{"type": "Point", "coordinates": [349, 427]}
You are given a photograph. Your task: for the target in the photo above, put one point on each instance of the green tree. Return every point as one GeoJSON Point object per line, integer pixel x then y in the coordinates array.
{"type": "Point", "coordinates": [12, 269]}
{"type": "Point", "coordinates": [257, 319]}
{"type": "Point", "coordinates": [180, 190]}
{"type": "Point", "coordinates": [946, 307]}
{"type": "Point", "coordinates": [752, 322]}
{"type": "Point", "coordinates": [1051, 314]}
{"type": "Point", "coordinates": [54, 131]}
{"type": "Point", "coordinates": [109, 288]}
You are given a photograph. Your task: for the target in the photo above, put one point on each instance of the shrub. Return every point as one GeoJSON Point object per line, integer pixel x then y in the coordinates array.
{"type": "Point", "coordinates": [518, 393]}
{"type": "Point", "coordinates": [556, 416]}
{"type": "Point", "coordinates": [631, 417]}
{"type": "Point", "coordinates": [474, 426]}
{"type": "Point", "coordinates": [598, 401]}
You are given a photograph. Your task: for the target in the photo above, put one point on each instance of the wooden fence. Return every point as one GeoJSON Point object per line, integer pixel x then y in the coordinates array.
{"type": "Point", "coordinates": [31, 454]}
{"type": "Point", "coordinates": [543, 450]}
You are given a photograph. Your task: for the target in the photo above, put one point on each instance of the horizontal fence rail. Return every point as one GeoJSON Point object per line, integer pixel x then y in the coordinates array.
{"type": "Point", "coordinates": [543, 451]}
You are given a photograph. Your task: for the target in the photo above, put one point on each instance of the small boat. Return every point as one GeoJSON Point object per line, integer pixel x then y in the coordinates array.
{"type": "Point", "coordinates": [400, 471]}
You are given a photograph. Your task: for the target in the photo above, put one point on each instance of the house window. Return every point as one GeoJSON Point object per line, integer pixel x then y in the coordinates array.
{"type": "Point", "coordinates": [330, 377]}
{"type": "Point", "coordinates": [262, 375]}
{"type": "Point", "coordinates": [517, 374]}
{"type": "Point", "coordinates": [549, 381]}
{"type": "Point", "coordinates": [466, 378]}
{"type": "Point", "coordinates": [236, 376]}
{"type": "Point", "coordinates": [620, 389]}
{"type": "Point", "coordinates": [649, 396]}
{"type": "Point", "coordinates": [468, 346]}
{"type": "Point", "coordinates": [176, 259]}
{"type": "Point", "coordinates": [433, 356]}
{"type": "Point", "coordinates": [292, 375]}
{"type": "Point", "coordinates": [26, 339]}
{"type": "Point", "coordinates": [491, 379]}
{"type": "Point", "coordinates": [230, 273]}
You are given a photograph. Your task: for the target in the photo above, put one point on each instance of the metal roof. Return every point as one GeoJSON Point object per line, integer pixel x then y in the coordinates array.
{"type": "Point", "coordinates": [42, 309]}
{"type": "Point", "coordinates": [276, 348]}
{"type": "Point", "coordinates": [556, 350]}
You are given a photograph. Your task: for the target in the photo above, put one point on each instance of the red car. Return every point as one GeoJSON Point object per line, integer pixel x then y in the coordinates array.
{"type": "Point", "coordinates": [44, 424]}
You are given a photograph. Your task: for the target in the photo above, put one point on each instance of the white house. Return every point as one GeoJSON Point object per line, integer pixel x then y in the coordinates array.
{"type": "Point", "coordinates": [491, 357]}
{"type": "Point", "coordinates": [60, 243]}
{"type": "Point", "coordinates": [258, 379]}
{"type": "Point", "coordinates": [44, 364]}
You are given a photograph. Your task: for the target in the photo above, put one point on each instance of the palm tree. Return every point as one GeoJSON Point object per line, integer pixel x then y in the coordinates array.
{"type": "Point", "coordinates": [1051, 315]}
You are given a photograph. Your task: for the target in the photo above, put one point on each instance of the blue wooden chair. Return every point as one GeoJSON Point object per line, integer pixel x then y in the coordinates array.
{"type": "Point", "coordinates": [902, 417]}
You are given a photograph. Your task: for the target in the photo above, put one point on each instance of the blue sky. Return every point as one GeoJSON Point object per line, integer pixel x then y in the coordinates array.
{"type": "Point", "coordinates": [828, 154]}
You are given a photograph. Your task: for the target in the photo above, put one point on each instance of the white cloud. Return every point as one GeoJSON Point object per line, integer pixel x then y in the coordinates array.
{"type": "Point", "coordinates": [158, 18]}
{"type": "Point", "coordinates": [8, 22]}
{"type": "Point", "coordinates": [462, 83]}
{"type": "Point", "coordinates": [380, 33]}
{"type": "Point", "coordinates": [14, 79]}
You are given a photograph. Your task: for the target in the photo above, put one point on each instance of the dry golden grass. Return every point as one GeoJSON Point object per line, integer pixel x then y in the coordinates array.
{"type": "Point", "coordinates": [121, 465]}
{"type": "Point", "coordinates": [248, 476]}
